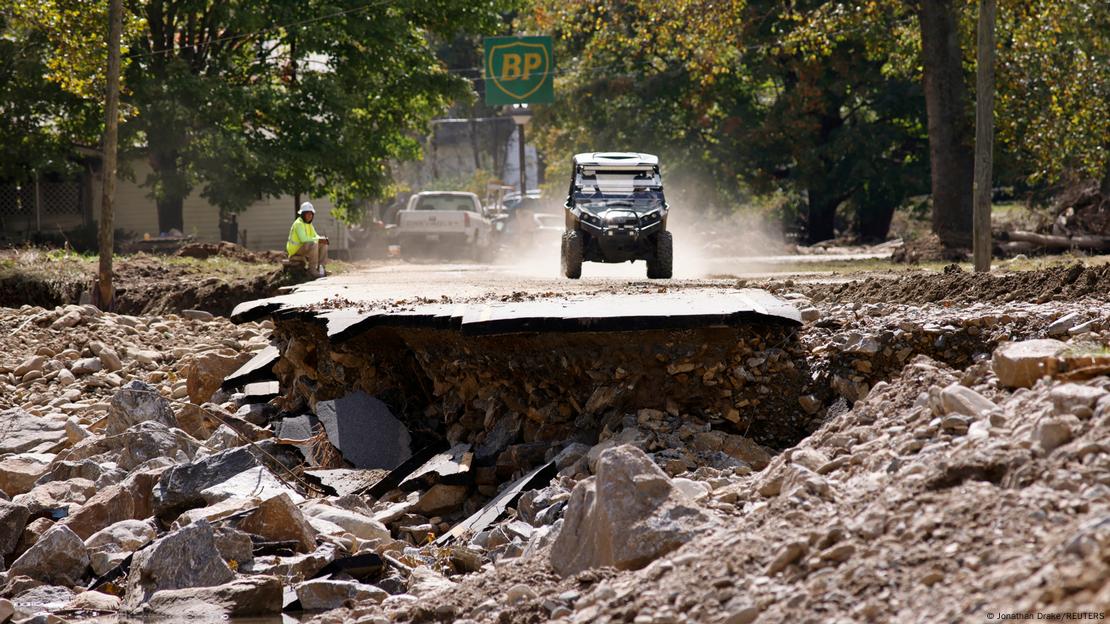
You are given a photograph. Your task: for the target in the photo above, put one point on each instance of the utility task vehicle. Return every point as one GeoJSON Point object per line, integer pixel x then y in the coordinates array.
{"type": "Point", "coordinates": [445, 223]}
{"type": "Point", "coordinates": [615, 212]}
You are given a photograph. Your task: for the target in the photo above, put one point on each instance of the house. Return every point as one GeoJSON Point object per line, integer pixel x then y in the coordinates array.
{"type": "Point", "coordinates": [54, 205]}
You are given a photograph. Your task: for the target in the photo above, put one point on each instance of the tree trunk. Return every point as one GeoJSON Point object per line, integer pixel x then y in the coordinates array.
{"type": "Point", "coordinates": [1104, 188]}
{"type": "Point", "coordinates": [171, 189]}
{"type": "Point", "coordinates": [874, 222]}
{"type": "Point", "coordinates": [821, 220]}
{"type": "Point", "coordinates": [951, 156]}
{"type": "Point", "coordinates": [984, 136]}
{"type": "Point", "coordinates": [105, 289]}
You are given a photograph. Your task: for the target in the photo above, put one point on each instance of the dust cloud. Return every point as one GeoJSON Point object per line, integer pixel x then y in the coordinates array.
{"type": "Point", "coordinates": [704, 247]}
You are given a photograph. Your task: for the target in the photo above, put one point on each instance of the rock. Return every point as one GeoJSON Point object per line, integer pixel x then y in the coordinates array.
{"type": "Point", "coordinates": [1066, 398]}
{"type": "Point", "coordinates": [135, 403]}
{"type": "Point", "coordinates": [31, 534]}
{"type": "Point", "coordinates": [74, 431]}
{"type": "Point", "coordinates": [198, 315]}
{"type": "Point", "coordinates": [94, 601]}
{"type": "Point", "coordinates": [147, 357]}
{"type": "Point", "coordinates": [810, 403]}
{"type": "Point", "coordinates": [695, 490]}
{"type": "Point", "coordinates": [18, 473]}
{"type": "Point", "coordinates": [206, 371]}
{"type": "Point", "coordinates": [84, 366]}
{"type": "Point", "coordinates": [1060, 326]}
{"type": "Point", "coordinates": [1020, 364]}
{"type": "Point", "coordinates": [33, 363]}
{"type": "Point", "coordinates": [182, 559]}
{"type": "Point", "coordinates": [38, 600]}
{"type": "Point", "coordinates": [67, 494]}
{"type": "Point", "coordinates": [322, 595]}
{"type": "Point", "coordinates": [58, 557]}
{"type": "Point", "coordinates": [234, 545]}
{"type": "Point", "coordinates": [24, 432]}
{"type": "Point", "coordinates": [7, 610]}
{"type": "Point", "coordinates": [180, 488]}
{"type": "Point", "coordinates": [13, 519]}
{"type": "Point", "coordinates": [279, 519]}
{"type": "Point", "coordinates": [809, 315]}
{"type": "Point", "coordinates": [959, 399]}
{"type": "Point", "coordinates": [1052, 433]}
{"type": "Point", "coordinates": [737, 447]}
{"type": "Point", "coordinates": [110, 505]}
{"type": "Point", "coordinates": [141, 443]}
{"type": "Point", "coordinates": [257, 482]}
{"type": "Point", "coordinates": [107, 356]}
{"type": "Point", "coordinates": [67, 320]}
{"type": "Point", "coordinates": [243, 597]}
{"type": "Point", "coordinates": [424, 581]}
{"type": "Point", "coordinates": [123, 536]}
{"type": "Point", "coordinates": [359, 525]}
{"type": "Point", "coordinates": [441, 499]}
{"type": "Point", "coordinates": [102, 473]}
{"type": "Point", "coordinates": [625, 517]}
{"type": "Point", "coordinates": [65, 377]}
{"type": "Point", "coordinates": [787, 555]}
{"type": "Point", "coordinates": [519, 593]}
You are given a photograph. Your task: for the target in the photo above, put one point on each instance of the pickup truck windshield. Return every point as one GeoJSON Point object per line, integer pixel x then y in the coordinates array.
{"type": "Point", "coordinates": [445, 203]}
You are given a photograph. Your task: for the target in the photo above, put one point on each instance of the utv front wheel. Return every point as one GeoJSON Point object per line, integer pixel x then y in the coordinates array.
{"type": "Point", "coordinates": [660, 266]}
{"type": "Point", "coordinates": [572, 253]}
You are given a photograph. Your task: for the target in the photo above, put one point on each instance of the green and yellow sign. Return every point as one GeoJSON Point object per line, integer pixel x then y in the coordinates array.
{"type": "Point", "coordinates": [519, 70]}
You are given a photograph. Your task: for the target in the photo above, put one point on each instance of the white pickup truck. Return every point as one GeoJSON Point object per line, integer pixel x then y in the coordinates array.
{"type": "Point", "coordinates": [445, 223]}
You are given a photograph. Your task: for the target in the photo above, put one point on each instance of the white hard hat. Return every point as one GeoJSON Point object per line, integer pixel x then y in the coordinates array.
{"type": "Point", "coordinates": [306, 207]}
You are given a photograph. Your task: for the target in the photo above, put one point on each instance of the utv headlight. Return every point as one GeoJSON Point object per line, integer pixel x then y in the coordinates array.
{"type": "Point", "coordinates": [650, 218]}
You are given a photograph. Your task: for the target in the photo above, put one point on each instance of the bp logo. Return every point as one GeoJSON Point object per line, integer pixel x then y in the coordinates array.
{"type": "Point", "coordinates": [518, 70]}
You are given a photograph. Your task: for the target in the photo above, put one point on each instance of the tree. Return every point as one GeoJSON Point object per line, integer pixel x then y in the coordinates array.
{"type": "Point", "coordinates": [734, 96]}
{"type": "Point", "coordinates": [283, 96]}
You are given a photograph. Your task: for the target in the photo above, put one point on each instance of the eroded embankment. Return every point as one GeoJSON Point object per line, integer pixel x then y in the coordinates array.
{"type": "Point", "coordinates": [494, 391]}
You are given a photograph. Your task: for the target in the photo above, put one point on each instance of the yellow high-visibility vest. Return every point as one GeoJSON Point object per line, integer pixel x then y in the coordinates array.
{"type": "Point", "coordinates": [300, 234]}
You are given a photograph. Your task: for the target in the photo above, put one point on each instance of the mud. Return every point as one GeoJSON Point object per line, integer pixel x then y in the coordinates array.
{"type": "Point", "coordinates": [1062, 283]}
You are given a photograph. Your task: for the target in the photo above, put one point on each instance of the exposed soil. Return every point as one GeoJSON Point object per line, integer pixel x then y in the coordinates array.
{"type": "Point", "coordinates": [144, 284]}
{"type": "Point", "coordinates": [1062, 283]}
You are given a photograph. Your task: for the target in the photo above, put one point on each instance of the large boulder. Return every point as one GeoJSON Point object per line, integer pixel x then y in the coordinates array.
{"type": "Point", "coordinates": [279, 519]}
{"type": "Point", "coordinates": [18, 473]}
{"type": "Point", "coordinates": [322, 595]}
{"type": "Point", "coordinates": [357, 524]}
{"type": "Point", "coordinates": [242, 597]}
{"type": "Point", "coordinates": [136, 446]}
{"type": "Point", "coordinates": [135, 403]}
{"type": "Point", "coordinates": [58, 557]}
{"type": "Point", "coordinates": [1021, 364]}
{"type": "Point", "coordinates": [625, 517]}
{"type": "Point", "coordinates": [180, 487]}
{"type": "Point", "coordinates": [67, 495]}
{"type": "Point", "coordinates": [206, 371]}
{"type": "Point", "coordinates": [22, 432]}
{"type": "Point", "coordinates": [109, 546]}
{"type": "Point", "coordinates": [13, 518]}
{"type": "Point", "coordinates": [185, 558]}
{"type": "Point", "coordinates": [257, 482]}
{"type": "Point", "coordinates": [108, 506]}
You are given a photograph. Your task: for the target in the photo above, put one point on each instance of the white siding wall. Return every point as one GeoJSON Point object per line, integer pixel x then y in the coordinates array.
{"type": "Point", "coordinates": [265, 224]}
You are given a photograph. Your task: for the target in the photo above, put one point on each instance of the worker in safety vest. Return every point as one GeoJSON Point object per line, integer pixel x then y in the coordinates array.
{"type": "Point", "coordinates": [305, 242]}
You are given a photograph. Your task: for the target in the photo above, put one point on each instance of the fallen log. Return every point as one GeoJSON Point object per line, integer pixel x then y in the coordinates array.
{"type": "Point", "coordinates": [1053, 241]}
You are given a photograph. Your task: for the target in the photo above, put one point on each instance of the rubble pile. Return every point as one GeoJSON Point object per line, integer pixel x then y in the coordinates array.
{"type": "Point", "coordinates": [943, 494]}
{"type": "Point", "coordinates": [884, 461]}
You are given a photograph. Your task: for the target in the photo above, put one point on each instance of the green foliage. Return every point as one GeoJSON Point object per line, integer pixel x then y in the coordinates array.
{"type": "Point", "coordinates": [250, 99]}
{"type": "Point", "coordinates": [1053, 106]}
{"type": "Point", "coordinates": [741, 96]}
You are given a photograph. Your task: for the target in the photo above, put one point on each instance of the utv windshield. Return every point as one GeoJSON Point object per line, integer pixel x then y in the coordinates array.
{"type": "Point", "coordinates": [617, 182]}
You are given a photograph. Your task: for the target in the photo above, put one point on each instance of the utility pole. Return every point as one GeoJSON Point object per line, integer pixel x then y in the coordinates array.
{"type": "Point", "coordinates": [111, 132]}
{"type": "Point", "coordinates": [984, 136]}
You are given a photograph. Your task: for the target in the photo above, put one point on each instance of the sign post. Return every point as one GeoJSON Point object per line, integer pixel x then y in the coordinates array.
{"type": "Point", "coordinates": [519, 72]}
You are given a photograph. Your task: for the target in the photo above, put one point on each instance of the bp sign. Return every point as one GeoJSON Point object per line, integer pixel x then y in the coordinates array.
{"type": "Point", "coordinates": [519, 70]}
